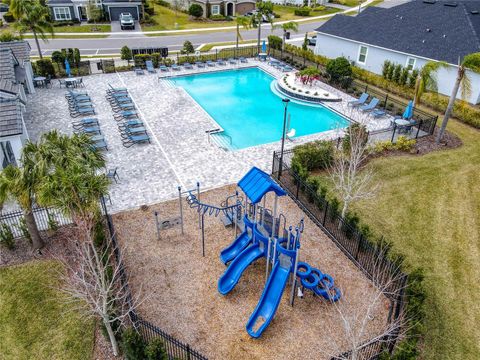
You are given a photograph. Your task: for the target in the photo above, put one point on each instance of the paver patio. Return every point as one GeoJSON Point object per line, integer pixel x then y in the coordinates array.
{"type": "Point", "coordinates": [180, 154]}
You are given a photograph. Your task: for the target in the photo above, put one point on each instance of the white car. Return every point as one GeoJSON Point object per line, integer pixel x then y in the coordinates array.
{"type": "Point", "coordinates": [127, 21]}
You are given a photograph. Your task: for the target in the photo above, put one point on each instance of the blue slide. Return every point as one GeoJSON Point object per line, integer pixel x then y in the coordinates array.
{"type": "Point", "coordinates": [230, 277]}
{"type": "Point", "coordinates": [236, 247]}
{"type": "Point", "coordinates": [269, 301]}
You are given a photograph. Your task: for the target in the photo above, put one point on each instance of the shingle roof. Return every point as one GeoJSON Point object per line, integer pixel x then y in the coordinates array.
{"type": "Point", "coordinates": [10, 117]}
{"type": "Point", "coordinates": [7, 65]}
{"type": "Point", "coordinates": [134, 2]}
{"type": "Point", "coordinates": [432, 30]}
{"type": "Point", "coordinates": [9, 87]}
{"type": "Point", "coordinates": [21, 49]}
{"type": "Point", "coordinates": [54, 2]}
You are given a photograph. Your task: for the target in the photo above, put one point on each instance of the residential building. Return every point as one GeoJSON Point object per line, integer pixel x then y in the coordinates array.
{"type": "Point", "coordinates": [16, 79]}
{"type": "Point", "coordinates": [224, 7]}
{"type": "Point", "coordinates": [77, 10]}
{"type": "Point", "coordinates": [410, 34]}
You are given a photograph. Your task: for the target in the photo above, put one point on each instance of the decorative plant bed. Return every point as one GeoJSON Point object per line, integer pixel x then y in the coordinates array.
{"type": "Point", "coordinates": [293, 87]}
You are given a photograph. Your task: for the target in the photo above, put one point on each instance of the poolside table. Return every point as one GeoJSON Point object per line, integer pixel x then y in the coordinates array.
{"type": "Point", "coordinates": [402, 122]}
{"type": "Point", "coordinates": [39, 80]}
{"type": "Point", "coordinates": [71, 82]}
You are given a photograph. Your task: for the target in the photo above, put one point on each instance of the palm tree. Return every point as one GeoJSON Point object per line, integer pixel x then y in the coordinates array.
{"type": "Point", "coordinates": [470, 62]}
{"type": "Point", "coordinates": [33, 17]}
{"type": "Point", "coordinates": [427, 79]}
{"type": "Point", "coordinates": [20, 184]}
{"type": "Point", "coordinates": [264, 10]}
{"type": "Point", "coordinates": [289, 26]}
{"type": "Point", "coordinates": [244, 22]}
{"type": "Point", "coordinates": [71, 180]}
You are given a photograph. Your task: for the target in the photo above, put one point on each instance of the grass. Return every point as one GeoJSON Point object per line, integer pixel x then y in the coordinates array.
{"type": "Point", "coordinates": [83, 28]}
{"type": "Point", "coordinates": [429, 207]}
{"type": "Point", "coordinates": [166, 19]}
{"type": "Point", "coordinates": [34, 324]}
{"type": "Point", "coordinates": [288, 12]}
{"type": "Point", "coordinates": [208, 47]}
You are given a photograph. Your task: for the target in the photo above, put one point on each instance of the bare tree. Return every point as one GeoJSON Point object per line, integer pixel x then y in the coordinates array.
{"type": "Point", "coordinates": [351, 180]}
{"type": "Point", "coordinates": [355, 313]}
{"type": "Point", "coordinates": [93, 283]}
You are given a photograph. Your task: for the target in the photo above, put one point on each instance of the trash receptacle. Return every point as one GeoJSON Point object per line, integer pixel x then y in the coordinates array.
{"type": "Point", "coordinates": [287, 35]}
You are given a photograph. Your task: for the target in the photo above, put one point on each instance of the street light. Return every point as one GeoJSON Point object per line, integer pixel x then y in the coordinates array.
{"type": "Point", "coordinates": [285, 104]}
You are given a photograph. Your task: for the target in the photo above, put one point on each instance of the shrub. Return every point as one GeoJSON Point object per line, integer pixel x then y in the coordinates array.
{"type": "Point", "coordinates": [149, 10]}
{"type": "Point", "coordinates": [52, 222]}
{"type": "Point", "coordinates": [58, 57]}
{"type": "Point", "coordinates": [412, 78]}
{"type": "Point", "coordinates": [319, 8]}
{"type": "Point", "coordinates": [338, 69]}
{"type": "Point", "coordinates": [358, 130]}
{"type": "Point", "coordinates": [218, 17]}
{"type": "Point", "coordinates": [403, 77]}
{"type": "Point", "coordinates": [304, 11]}
{"type": "Point", "coordinates": [404, 144]}
{"type": "Point", "coordinates": [390, 71]}
{"type": "Point", "coordinates": [7, 36]}
{"type": "Point", "coordinates": [125, 53]}
{"type": "Point", "coordinates": [275, 42]}
{"type": "Point", "coordinates": [22, 226]}
{"type": "Point", "coordinates": [396, 73]}
{"type": "Point", "coordinates": [6, 237]}
{"type": "Point", "coordinates": [155, 350]}
{"type": "Point", "coordinates": [139, 59]}
{"type": "Point", "coordinates": [45, 67]}
{"type": "Point", "coordinates": [8, 17]}
{"type": "Point", "coordinates": [314, 155]}
{"type": "Point", "coordinates": [314, 183]}
{"type": "Point", "coordinates": [195, 10]}
{"type": "Point", "coordinates": [133, 345]}
{"type": "Point", "coordinates": [187, 48]}
{"type": "Point", "coordinates": [163, 3]}
{"type": "Point", "coordinates": [386, 68]}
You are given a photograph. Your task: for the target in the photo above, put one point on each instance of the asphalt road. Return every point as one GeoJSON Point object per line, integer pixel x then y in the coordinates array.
{"type": "Point", "coordinates": [112, 44]}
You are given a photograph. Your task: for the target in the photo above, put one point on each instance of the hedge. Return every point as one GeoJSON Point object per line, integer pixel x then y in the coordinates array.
{"type": "Point", "coordinates": [305, 11]}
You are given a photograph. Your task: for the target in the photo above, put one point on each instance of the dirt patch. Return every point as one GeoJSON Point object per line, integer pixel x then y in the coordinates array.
{"type": "Point", "coordinates": [183, 300]}
{"type": "Point", "coordinates": [427, 144]}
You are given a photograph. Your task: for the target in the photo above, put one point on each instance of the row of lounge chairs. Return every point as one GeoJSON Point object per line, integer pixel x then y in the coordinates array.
{"type": "Point", "coordinates": [280, 66]}
{"type": "Point", "coordinates": [79, 103]}
{"type": "Point", "coordinates": [91, 127]}
{"type": "Point", "coordinates": [201, 64]}
{"type": "Point", "coordinates": [361, 104]}
{"type": "Point", "coordinates": [131, 128]}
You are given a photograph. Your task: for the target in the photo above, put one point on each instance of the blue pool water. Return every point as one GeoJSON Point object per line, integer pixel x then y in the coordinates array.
{"type": "Point", "coordinates": [243, 104]}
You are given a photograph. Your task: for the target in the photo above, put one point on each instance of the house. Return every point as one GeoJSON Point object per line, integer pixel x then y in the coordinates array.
{"type": "Point", "coordinates": [77, 10]}
{"type": "Point", "coordinates": [224, 7]}
{"type": "Point", "coordinates": [16, 79]}
{"type": "Point", "coordinates": [410, 34]}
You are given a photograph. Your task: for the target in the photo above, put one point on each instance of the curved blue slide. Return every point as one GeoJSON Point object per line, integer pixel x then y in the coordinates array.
{"type": "Point", "coordinates": [230, 277]}
{"type": "Point", "coordinates": [269, 301]}
{"type": "Point", "coordinates": [236, 247]}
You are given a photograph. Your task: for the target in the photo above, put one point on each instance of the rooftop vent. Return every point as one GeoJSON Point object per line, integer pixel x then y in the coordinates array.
{"type": "Point", "coordinates": [423, 41]}
{"type": "Point", "coordinates": [475, 12]}
{"type": "Point", "coordinates": [451, 4]}
{"type": "Point", "coordinates": [428, 30]}
{"type": "Point", "coordinates": [444, 36]}
{"type": "Point", "coordinates": [429, 1]}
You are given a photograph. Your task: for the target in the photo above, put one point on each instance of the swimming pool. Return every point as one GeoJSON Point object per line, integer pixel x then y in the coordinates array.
{"type": "Point", "coordinates": [243, 104]}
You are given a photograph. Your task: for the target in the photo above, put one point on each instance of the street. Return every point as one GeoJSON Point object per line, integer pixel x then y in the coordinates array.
{"type": "Point", "coordinates": [113, 44]}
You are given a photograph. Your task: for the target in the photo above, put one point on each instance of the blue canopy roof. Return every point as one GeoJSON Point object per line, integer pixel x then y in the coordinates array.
{"type": "Point", "coordinates": [256, 183]}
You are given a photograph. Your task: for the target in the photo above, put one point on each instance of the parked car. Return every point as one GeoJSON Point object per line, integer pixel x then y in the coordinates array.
{"type": "Point", "coordinates": [265, 18]}
{"type": "Point", "coordinates": [127, 21]}
{"type": "Point", "coordinates": [3, 8]}
{"type": "Point", "coordinates": [312, 40]}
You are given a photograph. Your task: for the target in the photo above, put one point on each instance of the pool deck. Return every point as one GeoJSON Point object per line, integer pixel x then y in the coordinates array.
{"type": "Point", "coordinates": [180, 153]}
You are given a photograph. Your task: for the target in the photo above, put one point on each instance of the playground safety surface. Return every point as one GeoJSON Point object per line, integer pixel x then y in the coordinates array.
{"type": "Point", "coordinates": [182, 296]}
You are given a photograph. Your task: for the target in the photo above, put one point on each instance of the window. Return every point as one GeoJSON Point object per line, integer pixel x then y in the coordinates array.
{"type": "Point", "coordinates": [62, 13]}
{"type": "Point", "coordinates": [362, 55]}
{"type": "Point", "coordinates": [215, 9]}
{"type": "Point", "coordinates": [410, 63]}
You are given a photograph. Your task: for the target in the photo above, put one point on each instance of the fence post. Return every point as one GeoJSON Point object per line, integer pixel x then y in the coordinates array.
{"type": "Point", "coordinates": [366, 88]}
{"type": "Point", "coordinates": [418, 128]}
{"type": "Point", "coordinates": [325, 214]}
{"type": "Point", "coordinates": [386, 99]}
{"type": "Point", "coordinates": [188, 352]}
{"type": "Point", "coordinates": [216, 54]}
{"type": "Point", "coordinates": [393, 134]}
{"type": "Point", "coordinates": [360, 239]}
{"type": "Point", "coordinates": [298, 188]}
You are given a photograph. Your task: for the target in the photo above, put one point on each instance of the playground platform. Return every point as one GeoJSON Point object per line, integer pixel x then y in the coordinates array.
{"type": "Point", "coordinates": [184, 301]}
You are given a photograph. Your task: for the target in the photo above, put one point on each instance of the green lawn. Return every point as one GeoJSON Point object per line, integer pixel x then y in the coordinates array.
{"type": "Point", "coordinates": [288, 12]}
{"type": "Point", "coordinates": [83, 28]}
{"type": "Point", "coordinates": [34, 323]}
{"type": "Point", "coordinates": [429, 207]}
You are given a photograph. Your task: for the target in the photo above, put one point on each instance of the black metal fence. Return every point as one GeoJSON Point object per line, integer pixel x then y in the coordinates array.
{"type": "Point", "coordinates": [214, 55]}
{"type": "Point", "coordinates": [370, 258]}
{"type": "Point", "coordinates": [175, 348]}
{"type": "Point", "coordinates": [46, 218]}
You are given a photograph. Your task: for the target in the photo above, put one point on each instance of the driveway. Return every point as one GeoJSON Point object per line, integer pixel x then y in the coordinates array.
{"type": "Point", "coordinates": [116, 28]}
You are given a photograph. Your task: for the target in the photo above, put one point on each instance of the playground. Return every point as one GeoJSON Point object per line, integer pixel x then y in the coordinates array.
{"type": "Point", "coordinates": [234, 312]}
